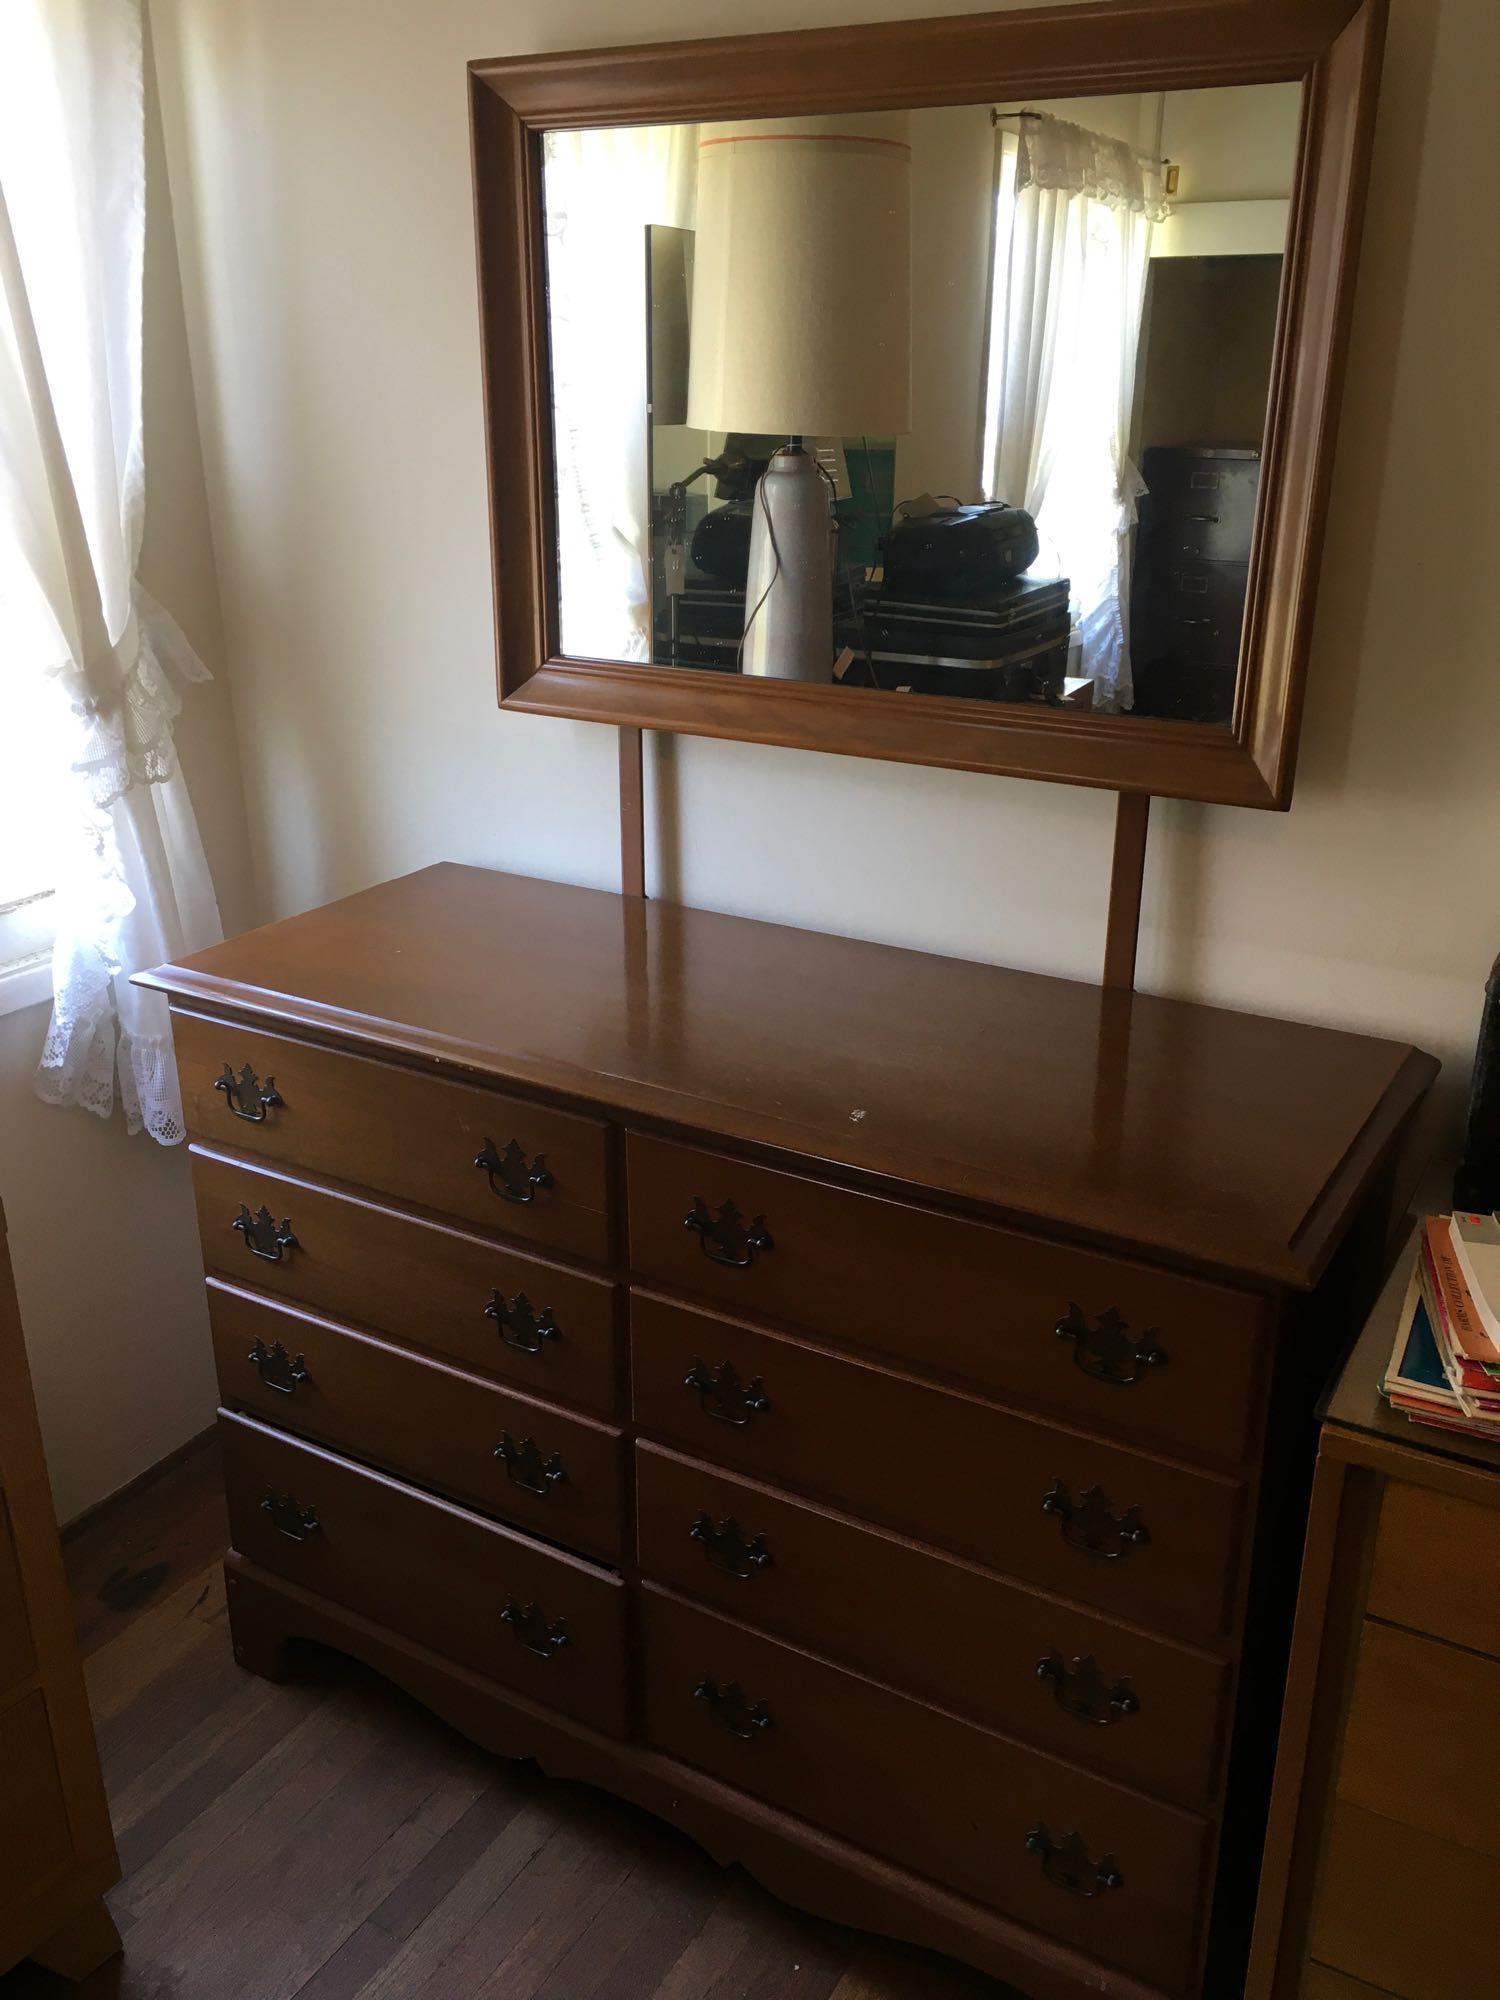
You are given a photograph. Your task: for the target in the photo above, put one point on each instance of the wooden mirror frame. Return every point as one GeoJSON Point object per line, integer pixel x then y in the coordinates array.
{"type": "Point", "coordinates": [1332, 47]}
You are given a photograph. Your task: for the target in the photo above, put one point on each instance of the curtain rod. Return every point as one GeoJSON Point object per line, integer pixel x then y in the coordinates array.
{"type": "Point", "coordinates": [1151, 159]}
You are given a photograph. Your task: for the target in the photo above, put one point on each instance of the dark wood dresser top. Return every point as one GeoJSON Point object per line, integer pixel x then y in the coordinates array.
{"type": "Point", "coordinates": [1229, 1140]}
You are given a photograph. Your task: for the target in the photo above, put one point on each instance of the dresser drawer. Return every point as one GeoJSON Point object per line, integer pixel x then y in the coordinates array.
{"type": "Point", "coordinates": [1422, 1742]}
{"type": "Point", "coordinates": [544, 1329]}
{"type": "Point", "coordinates": [1142, 1351]}
{"type": "Point", "coordinates": [476, 1593]}
{"type": "Point", "coordinates": [1131, 1707]}
{"type": "Point", "coordinates": [1155, 1543]}
{"type": "Point", "coordinates": [401, 1132]}
{"type": "Point", "coordinates": [36, 1847]}
{"type": "Point", "coordinates": [17, 1653]}
{"type": "Point", "coordinates": [940, 1797]}
{"type": "Point", "coordinates": [562, 1474]}
{"type": "Point", "coordinates": [1437, 1565]}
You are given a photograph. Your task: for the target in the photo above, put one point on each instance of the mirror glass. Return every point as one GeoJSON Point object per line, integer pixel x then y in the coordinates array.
{"type": "Point", "coordinates": [965, 401]}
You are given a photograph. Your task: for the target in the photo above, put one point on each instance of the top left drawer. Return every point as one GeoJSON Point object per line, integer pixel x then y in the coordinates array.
{"type": "Point", "coordinates": [524, 1169]}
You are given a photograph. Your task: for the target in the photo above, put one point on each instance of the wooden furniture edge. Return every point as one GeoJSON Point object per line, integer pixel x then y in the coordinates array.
{"type": "Point", "coordinates": [800, 1864]}
{"type": "Point", "coordinates": [58, 1670]}
{"type": "Point", "coordinates": [1325, 1645]}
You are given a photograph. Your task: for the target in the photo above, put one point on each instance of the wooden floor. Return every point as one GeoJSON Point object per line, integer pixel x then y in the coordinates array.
{"type": "Point", "coordinates": [332, 1840]}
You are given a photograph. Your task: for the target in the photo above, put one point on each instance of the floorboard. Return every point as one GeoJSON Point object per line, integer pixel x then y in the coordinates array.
{"type": "Point", "coordinates": [330, 1840]}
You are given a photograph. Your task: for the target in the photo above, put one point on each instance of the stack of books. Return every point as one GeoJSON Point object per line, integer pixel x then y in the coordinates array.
{"type": "Point", "coordinates": [1445, 1368]}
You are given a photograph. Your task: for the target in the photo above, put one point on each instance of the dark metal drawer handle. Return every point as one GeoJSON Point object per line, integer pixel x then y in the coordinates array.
{"type": "Point", "coordinates": [1105, 1352]}
{"type": "Point", "coordinates": [246, 1097]}
{"type": "Point", "coordinates": [278, 1369]}
{"type": "Point", "coordinates": [521, 1325]}
{"type": "Point", "coordinates": [525, 1466]}
{"type": "Point", "coordinates": [511, 1175]}
{"type": "Point", "coordinates": [1208, 519]}
{"type": "Point", "coordinates": [726, 1547]}
{"type": "Point", "coordinates": [722, 1394]}
{"type": "Point", "coordinates": [264, 1236]}
{"type": "Point", "coordinates": [1082, 1691]}
{"type": "Point", "coordinates": [296, 1522]}
{"type": "Point", "coordinates": [1087, 1524]}
{"type": "Point", "coordinates": [1067, 1863]}
{"type": "Point", "coordinates": [529, 1625]}
{"type": "Point", "coordinates": [729, 1708]}
{"type": "Point", "coordinates": [726, 1238]}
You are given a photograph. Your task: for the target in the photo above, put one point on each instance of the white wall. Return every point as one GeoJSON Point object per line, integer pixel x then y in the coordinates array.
{"type": "Point", "coordinates": [320, 170]}
{"type": "Point", "coordinates": [101, 1226]}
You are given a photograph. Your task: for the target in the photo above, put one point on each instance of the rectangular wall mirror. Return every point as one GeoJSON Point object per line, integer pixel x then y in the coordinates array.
{"type": "Point", "coordinates": [974, 407]}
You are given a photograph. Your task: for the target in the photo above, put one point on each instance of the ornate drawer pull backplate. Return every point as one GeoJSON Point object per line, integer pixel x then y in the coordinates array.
{"type": "Point", "coordinates": [726, 1238]}
{"type": "Point", "coordinates": [1088, 1524]}
{"type": "Point", "coordinates": [1067, 1863]}
{"type": "Point", "coordinates": [1105, 1351]}
{"type": "Point", "coordinates": [511, 1175]}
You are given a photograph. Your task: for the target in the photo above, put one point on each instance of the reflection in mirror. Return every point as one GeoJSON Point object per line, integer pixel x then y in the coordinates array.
{"type": "Point", "coordinates": [961, 402]}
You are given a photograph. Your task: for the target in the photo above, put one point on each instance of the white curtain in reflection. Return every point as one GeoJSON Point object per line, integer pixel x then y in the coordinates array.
{"type": "Point", "coordinates": [1074, 215]}
{"type": "Point", "coordinates": [602, 189]}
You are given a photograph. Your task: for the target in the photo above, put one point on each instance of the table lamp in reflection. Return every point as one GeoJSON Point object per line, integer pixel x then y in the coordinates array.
{"type": "Point", "coordinates": [801, 328]}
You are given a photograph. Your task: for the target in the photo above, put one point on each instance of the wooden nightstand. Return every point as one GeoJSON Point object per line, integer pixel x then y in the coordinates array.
{"type": "Point", "coordinates": [1382, 1866]}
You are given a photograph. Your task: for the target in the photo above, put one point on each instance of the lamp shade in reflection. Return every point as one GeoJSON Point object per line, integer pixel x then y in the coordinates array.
{"type": "Point", "coordinates": [802, 277]}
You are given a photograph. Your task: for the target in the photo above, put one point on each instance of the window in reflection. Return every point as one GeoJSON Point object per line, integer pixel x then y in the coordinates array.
{"type": "Point", "coordinates": [963, 401]}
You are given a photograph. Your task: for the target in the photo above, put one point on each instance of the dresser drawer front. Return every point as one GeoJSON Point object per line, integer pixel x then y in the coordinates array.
{"type": "Point", "coordinates": [1130, 1706]}
{"type": "Point", "coordinates": [545, 1330]}
{"type": "Point", "coordinates": [432, 1572]}
{"type": "Point", "coordinates": [938, 1796]}
{"type": "Point", "coordinates": [400, 1132]}
{"type": "Point", "coordinates": [1146, 1353]}
{"type": "Point", "coordinates": [420, 1419]}
{"type": "Point", "coordinates": [955, 1472]}
{"type": "Point", "coordinates": [1437, 1559]}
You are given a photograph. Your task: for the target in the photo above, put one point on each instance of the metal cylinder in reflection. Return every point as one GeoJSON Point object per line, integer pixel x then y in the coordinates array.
{"type": "Point", "coordinates": [789, 589]}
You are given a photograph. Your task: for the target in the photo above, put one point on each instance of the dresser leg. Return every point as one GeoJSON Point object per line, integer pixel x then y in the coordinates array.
{"type": "Point", "coordinates": [81, 1945]}
{"type": "Point", "coordinates": [259, 1642]}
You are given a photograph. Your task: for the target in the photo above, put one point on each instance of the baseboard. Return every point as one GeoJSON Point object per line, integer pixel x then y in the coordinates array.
{"type": "Point", "coordinates": [199, 1442]}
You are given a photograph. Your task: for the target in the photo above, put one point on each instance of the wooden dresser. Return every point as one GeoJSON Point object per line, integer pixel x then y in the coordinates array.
{"type": "Point", "coordinates": [57, 1849]}
{"type": "Point", "coordinates": [1383, 1861]}
{"type": "Point", "coordinates": [855, 1403]}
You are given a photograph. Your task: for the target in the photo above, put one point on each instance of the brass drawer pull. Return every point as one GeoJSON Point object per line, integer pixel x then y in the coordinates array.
{"type": "Point", "coordinates": [530, 1628]}
{"type": "Point", "coordinates": [246, 1097]}
{"type": "Point", "coordinates": [264, 1236]}
{"type": "Point", "coordinates": [1105, 1351]}
{"type": "Point", "coordinates": [1081, 1689]}
{"type": "Point", "coordinates": [1087, 1524]}
{"type": "Point", "coordinates": [279, 1370]}
{"type": "Point", "coordinates": [525, 1466]}
{"type": "Point", "coordinates": [726, 1238]}
{"type": "Point", "coordinates": [722, 1394]}
{"type": "Point", "coordinates": [521, 1325]}
{"type": "Point", "coordinates": [1067, 1863]}
{"type": "Point", "coordinates": [731, 1711]}
{"type": "Point", "coordinates": [511, 1175]}
{"type": "Point", "coordinates": [726, 1547]}
{"type": "Point", "coordinates": [296, 1522]}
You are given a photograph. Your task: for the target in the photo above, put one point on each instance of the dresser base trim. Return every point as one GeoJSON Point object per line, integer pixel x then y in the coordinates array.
{"type": "Point", "coordinates": [796, 1862]}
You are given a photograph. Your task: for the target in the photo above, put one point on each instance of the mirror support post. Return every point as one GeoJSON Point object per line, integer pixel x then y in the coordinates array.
{"type": "Point", "coordinates": [1122, 932]}
{"type": "Point", "coordinates": [632, 814]}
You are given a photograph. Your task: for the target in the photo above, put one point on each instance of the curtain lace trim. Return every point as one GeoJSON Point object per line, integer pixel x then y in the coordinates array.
{"type": "Point", "coordinates": [1053, 153]}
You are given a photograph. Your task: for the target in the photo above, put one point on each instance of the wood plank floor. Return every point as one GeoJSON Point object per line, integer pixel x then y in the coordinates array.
{"type": "Point", "coordinates": [331, 1840]}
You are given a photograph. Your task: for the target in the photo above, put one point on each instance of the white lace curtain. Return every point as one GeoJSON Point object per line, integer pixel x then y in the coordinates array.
{"type": "Point", "coordinates": [601, 190]}
{"type": "Point", "coordinates": [1074, 215]}
{"type": "Point", "coordinates": [92, 665]}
